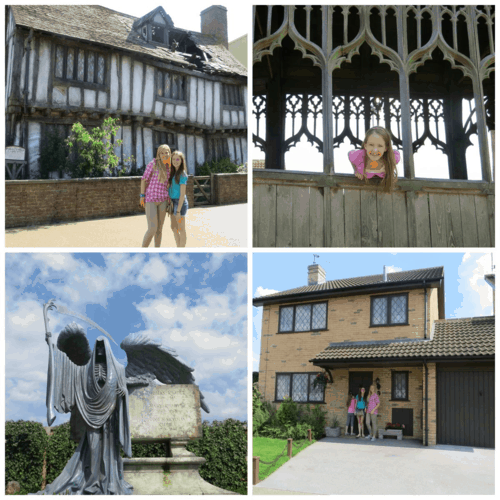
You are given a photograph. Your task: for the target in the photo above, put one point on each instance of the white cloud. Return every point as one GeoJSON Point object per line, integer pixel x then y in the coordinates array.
{"type": "Point", "coordinates": [477, 294]}
{"type": "Point", "coordinates": [394, 269]}
{"type": "Point", "coordinates": [261, 291]}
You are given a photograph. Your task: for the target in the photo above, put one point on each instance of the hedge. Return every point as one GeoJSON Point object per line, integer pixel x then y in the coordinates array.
{"type": "Point", "coordinates": [223, 444]}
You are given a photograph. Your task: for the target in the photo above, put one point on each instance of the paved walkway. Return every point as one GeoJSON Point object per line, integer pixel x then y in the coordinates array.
{"type": "Point", "coordinates": [224, 226]}
{"type": "Point", "coordinates": [389, 467]}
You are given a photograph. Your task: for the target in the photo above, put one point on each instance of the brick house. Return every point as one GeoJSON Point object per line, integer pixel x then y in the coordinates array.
{"type": "Point", "coordinates": [84, 63]}
{"type": "Point", "coordinates": [434, 375]}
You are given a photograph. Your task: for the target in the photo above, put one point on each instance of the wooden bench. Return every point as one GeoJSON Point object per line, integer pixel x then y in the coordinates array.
{"type": "Point", "coordinates": [391, 432]}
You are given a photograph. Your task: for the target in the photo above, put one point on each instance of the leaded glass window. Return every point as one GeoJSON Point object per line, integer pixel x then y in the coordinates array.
{"type": "Point", "coordinates": [299, 387]}
{"type": "Point", "coordinates": [286, 319]}
{"type": "Point", "coordinates": [400, 385]}
{"type": "Point", "coordinates": [315, 394]}
{"type": "Point", "coordinates": [81, 65]}
{"type": "Point", "coordinates": [170, 85]}
{"type": "Point", "coordinates": [231, 95]}
{"type": "Point", "coordinates": [59, 61]}
{"type": "Point", "coordinates": [70, 64]}
{"type": "Point", "coordinates": [90, 67]}
{"type": "Point", "coordinates": [282, 387]}
{"type": "Point", "coordinates": [100, 69]}
{"type": "Point", "coordinates": [389, 310]}
{"type": "Point", "coordinates": [304, 317]}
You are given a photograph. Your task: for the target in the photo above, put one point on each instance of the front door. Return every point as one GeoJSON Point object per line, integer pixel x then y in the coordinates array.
{"type": "Point", "coordinates": [357, 379]}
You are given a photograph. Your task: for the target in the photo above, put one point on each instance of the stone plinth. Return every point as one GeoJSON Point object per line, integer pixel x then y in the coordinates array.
{"type": "Point", "coordinates": [167, 413]}
{"type": "Point", "coordinates": [391, 432]}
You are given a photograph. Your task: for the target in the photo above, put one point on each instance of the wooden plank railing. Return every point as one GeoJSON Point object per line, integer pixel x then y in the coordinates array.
{"type": "Point", "coordinates": [292, 209]}
{"type": "Point", "coordinates": [202, 189]}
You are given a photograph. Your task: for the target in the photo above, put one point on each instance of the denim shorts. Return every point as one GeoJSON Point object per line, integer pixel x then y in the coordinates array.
{"type": "Point", "coordinates": [184, 208]}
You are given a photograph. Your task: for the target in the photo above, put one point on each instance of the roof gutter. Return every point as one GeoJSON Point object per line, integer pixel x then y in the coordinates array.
{"type": "Point", "coordinates": [413, 359]}
{"type": "Point", "coordinates": [364, 289]}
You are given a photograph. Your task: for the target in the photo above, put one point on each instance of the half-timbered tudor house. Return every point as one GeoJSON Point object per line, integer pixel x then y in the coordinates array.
{"type": "Point", "coordinates": [326, 74]}
{"type": "Point", "coordinates": [83, 63]}
{"type": "Point", "coordinates": [433, 375]}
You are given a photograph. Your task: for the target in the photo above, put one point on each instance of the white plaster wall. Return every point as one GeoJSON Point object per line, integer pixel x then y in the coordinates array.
{"type": "Point", "coordinates": [245, 96]}
{"type": "Point", "coordinates": [102, 100]}
{"type": "Point", "coordinates": [217, 108]}
{"type": "Point", "coordinates": [209, 101]}
{"type": "Point", "coordinates": [17, 139]}
{"type": "Point", "coordinates": [169, 110]}
{"type": "Point", "coordinates": [192, 98]}
{"type": "Point", "coordinates": [23, 72]}
{"type": "Point", "coordinates": [181, 145]}
{"type": "Point", "coordinates": [59, 95]}
{"type": "Point", "coordinates": [118, 149]}
{"type": "Point", "coordinates": [114, 82]}
{"type": "Point", "coordinates": [190, 153]}
{"type": "Point", "coordinates": [127, 141]}
{"type": "Point", "coordinates": [10, 55]}
{"type": "Point", "coordinates": [31, 70]}
{"type": "Point", "coordinates": [200, 153]}
{"type": "Point", "coordinates": [75, 96]}
{"type": "Point", "coordinates": [241, 118]}
{"type": "Point", "coordinates": [89, 98]}
{"type": "Point", "coordinates": [226, 118]}
{"type": "Point", "coordinates": [239, 156]}
{"type": "Point", "coordinates": [180, 112]}
{"type": "Point", "coordinates": [158, 108]}
{"type": "Point", "coordinates": [234, 118]}
{"type": "Point", "coordinates": [125, 83]}
{"type": "Point", "coordinates": [230, 145]}
{"type": "Point", "coordinates": [244, 150]}
{"type": "Point", "coordinates": [34, 136]}
{"type": "Point", "coordinates": [201, 101]}
{"type": "Point", "coordinates": [149, 89]}
{"type": "Point", "coordinates": [43, 72]}
{"type": "Point", "coordinates": [136, 101]}
{"type": "Point", "coordinates": [148, 145]}
{"type": "Point", "coordinates": [138, 148]}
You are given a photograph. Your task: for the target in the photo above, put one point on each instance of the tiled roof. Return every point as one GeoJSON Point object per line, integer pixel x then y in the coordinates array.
{"type": "Point", "coordinates": [431, 273]}
{"type": "Point", "coordinates": [101, 25]}
{"type": "Point", "coordinates": [464, 337]}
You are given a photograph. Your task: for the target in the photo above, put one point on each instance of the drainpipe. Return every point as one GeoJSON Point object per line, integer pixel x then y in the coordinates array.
{"type": "Point", "coordinates": [426, 403]}
{"type": "Point", "coordinates": [425, 311]}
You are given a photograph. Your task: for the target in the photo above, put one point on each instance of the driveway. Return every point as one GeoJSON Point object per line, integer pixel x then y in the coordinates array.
{"type": "Point", "coordinates": [384, 467]}
{"type": "Point", "coordinates": [220, 226]}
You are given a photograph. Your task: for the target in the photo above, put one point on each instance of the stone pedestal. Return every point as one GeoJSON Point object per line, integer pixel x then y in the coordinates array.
{"type": "Point", "coordinates": [167, 413]}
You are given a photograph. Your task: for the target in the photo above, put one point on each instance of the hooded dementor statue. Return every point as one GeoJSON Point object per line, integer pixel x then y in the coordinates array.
{"type": "Point", "coordinates": [92, 386]}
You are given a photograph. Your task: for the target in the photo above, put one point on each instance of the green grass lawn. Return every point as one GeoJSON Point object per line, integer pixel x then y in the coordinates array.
{"type": "Point", "coordinates": [268, 449]}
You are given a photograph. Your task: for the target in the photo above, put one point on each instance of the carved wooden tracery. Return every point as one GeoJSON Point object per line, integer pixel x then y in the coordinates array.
{"type": "Point", "coordinates": [403, 39]}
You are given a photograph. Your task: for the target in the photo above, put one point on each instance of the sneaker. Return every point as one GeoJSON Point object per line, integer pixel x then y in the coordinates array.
{"type": "Point", "coordinates": [373, 438]}
{"type": "Point", "coordinates": [368, 437]}
{"type": "Point", "coordinates": [352, 434]}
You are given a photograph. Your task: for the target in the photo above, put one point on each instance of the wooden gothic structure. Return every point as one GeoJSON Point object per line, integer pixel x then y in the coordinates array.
{"type": "Point", "coordinates": [394, 66]}
{"type": "Point", "coordinates": [83, 63]}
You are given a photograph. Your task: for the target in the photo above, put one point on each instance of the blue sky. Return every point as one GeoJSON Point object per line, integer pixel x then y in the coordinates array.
{"type": "Point", "coordinates": [195, 303]}
{"type": "Point", "coordinates": [466, 292]}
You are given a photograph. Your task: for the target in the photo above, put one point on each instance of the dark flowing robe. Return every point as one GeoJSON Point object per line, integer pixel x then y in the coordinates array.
{"type": "Point", "coordinates": [96, 468]}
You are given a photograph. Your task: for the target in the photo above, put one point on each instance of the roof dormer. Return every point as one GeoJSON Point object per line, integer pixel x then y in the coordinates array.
{"type": "Point", "coordinates": [155, 27]}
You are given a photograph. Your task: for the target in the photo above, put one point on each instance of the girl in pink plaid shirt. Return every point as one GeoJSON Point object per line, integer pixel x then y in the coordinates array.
{"type": "Point", "coordinates": [372, 412]}
{"type": "Point", "coordinates": [154, 194]}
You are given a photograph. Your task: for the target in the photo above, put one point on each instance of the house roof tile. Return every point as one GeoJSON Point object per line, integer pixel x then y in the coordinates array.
{"type": "Point", "coordinates": [464, 337]}
{"type": "Point", "coordinates": [101, 25]}
{"type": "Point", "coordinates": [431, 273]}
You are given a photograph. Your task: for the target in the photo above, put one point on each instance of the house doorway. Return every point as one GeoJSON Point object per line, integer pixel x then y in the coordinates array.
{"type": "Point", "coordinates": [357, 379]}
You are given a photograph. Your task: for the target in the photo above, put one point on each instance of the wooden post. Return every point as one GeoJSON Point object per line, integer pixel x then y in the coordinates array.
{"type": "Point", "coordinates": [290, 441]}
{"type": "Point", "coordinates": [309, 435]}
{"type": "Point", "coordinates": [212, 190]}
{"type": "Point", "coordinates": [255, 470]}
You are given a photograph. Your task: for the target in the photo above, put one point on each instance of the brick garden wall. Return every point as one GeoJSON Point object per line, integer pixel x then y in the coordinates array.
{"type": "Point", "coordinates": [35, 202]}
{"type": "Point", "coordinates": [231, 188]}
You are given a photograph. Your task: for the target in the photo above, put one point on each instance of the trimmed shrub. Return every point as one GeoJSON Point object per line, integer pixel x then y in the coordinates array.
{"type": "Point", "coordinates": [60, 448]}
{"type": "Point", "coordinates": [224, 445]}
{"type": "Point", "coordinates": [222, 166]}
{"type": "Point", "coordinates": [25, 443]}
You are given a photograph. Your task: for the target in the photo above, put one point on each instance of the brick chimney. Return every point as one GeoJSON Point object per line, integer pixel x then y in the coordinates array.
{"type": "Point", "coordinates": [214, 22]}
{"type": "Point", "coordinates": [315, 275]}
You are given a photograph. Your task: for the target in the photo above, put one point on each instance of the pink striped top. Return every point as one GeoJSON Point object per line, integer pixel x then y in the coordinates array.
{"type": "Point", "coordinates": [156, 191]}
{"type": "Point", "coordinates": [352, 406]}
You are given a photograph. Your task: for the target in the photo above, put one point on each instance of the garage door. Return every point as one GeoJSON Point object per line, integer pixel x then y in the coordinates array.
{"type": "Point", "coordinates": [466, 407]}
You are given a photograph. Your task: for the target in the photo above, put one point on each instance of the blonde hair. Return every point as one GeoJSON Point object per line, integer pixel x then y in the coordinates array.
{"type": "Point", "coordinates": [179, 171]}
{"type": "Point", "coordinates": [163, 171]}
{"type": "Point", "coordinates": [391, 173]}
{"type": "Point", "coordinates": [370, 391]}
